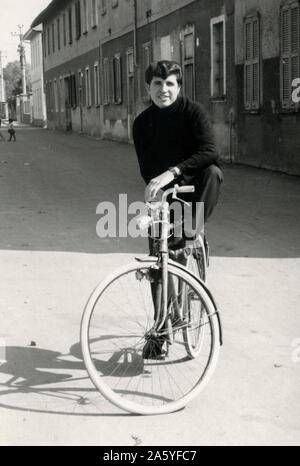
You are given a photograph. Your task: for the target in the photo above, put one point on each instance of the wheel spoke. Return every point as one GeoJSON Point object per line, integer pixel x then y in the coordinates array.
{"type": "Point", "coordinates": [119, 323]}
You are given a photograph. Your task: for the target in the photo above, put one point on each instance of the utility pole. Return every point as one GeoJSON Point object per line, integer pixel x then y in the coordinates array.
{"type": "Point", "coordinates": [21, 51]}
{"type": "Point", "coordinates": [2, 92]}
{"type": "Point", "coordinates": [20, 100]}
{"type": "Point", "coordinates": [3, 104]}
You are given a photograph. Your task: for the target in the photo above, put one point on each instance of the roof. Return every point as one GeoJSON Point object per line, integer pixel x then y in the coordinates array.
{"type": "Point", "coordinates": [33, 31]}
{"type": "Point", "coordinates": [53, 6]}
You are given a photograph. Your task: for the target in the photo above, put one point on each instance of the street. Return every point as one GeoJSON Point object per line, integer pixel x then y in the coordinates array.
{"type": "Point", "coordinates": [51, 259]}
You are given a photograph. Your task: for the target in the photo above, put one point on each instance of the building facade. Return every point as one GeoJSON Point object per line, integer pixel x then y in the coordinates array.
{"type": "Point", "coordinates": [232, 53]}
{"type": "Point", "coordinates": [267, 38]}
{"type": "Point", "coordinates": [37, 102]}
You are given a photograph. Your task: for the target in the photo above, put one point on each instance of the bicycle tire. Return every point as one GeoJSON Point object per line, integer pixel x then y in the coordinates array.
{"type": "Point", "coordinates": [197, 260]}
{"type": "Point", "coordinates": [193, 336]}
{"type": "Point", "coordinates": [138, 379]}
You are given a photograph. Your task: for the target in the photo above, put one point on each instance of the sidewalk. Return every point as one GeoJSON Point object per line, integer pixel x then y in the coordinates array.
{"type": "Point", "coordinates": [51, 259]}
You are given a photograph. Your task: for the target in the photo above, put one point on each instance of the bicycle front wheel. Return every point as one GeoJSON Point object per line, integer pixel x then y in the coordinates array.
{"type": "Point", "coordinates": [116, 324]}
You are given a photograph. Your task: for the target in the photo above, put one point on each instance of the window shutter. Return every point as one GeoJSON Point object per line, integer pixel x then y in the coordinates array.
{"type": "Point", "coordinates": [249, 41]}
{"type": "Point", "coordinates": [111, 81]}
{"type": "Point", "coordinates": [248, 85]}
{"type": "Point", "coordinates": [290, 69]}
{"type": "Point", "coordinates": [188, 62]}
{"type": "Point", "coordinates": [252, 63]}
{"type": "Point", "coordinates": [295, 25]}
{"type": "Point", "coordinates": [256, 65]}
{"type": "Point", "coordinates": [147, 58]}
{"type": "Point", "coordinates": [117, 71]}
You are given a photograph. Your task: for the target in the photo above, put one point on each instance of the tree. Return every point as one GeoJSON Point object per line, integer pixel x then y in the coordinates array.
{"type": "Point", "coordinates": [13, 79]}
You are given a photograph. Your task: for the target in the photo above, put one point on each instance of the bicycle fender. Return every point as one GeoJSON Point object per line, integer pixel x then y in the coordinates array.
{"type": "Point", "coordinates": [201, 282]}
{"type": "Point", "coordinates": [182, 267]}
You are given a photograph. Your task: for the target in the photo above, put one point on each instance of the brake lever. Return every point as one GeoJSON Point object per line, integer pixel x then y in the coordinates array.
{"type": "Point", "coordinates": [180, 200]}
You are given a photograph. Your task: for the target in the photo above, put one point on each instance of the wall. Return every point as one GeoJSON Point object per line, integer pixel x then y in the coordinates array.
{"type": "Point", "coordinates": [199, 14]}
{"type": "Point", "coordinates": [269, 137]}
{"type": "Point", "coordinates": [37, 80]}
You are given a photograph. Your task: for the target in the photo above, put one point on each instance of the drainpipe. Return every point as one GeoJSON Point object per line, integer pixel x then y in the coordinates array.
{"type": "Point", "coordinates": [135, 31]}
{"type": "Point", "coordinates": [231, 155]}
{"type": "Point", "coordinates": [135, 57]}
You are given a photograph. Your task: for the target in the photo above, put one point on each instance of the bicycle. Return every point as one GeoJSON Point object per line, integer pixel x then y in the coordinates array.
{"type": "Point", "coordinates": [150, 299]}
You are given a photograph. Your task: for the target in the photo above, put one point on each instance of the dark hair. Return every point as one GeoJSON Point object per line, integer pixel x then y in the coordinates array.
{"type": "Point", "coordinates": [163, 69]}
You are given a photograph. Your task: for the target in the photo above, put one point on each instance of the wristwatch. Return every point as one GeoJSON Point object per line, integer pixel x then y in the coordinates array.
{"type": "Point", "coordinates": [175, 171]}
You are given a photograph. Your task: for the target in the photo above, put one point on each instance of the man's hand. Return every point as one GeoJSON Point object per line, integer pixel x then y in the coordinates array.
{"type": "Point", "coordinates": [156, 184]}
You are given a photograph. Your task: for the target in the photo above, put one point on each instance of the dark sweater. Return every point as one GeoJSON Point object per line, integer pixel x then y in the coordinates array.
{"type": "Point", "coordinates": [179, 135]}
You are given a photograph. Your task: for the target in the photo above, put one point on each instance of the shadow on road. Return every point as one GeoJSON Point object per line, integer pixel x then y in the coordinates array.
{"type": "Point", "coordinates": [32, 367]}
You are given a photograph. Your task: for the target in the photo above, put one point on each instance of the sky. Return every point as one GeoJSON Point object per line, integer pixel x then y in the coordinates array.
{"type": "Point", "coordinates": [12, 13]}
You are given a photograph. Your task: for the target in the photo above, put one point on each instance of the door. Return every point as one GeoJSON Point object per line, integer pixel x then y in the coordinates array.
{"type": "Point", "coordinates": [68, 104]}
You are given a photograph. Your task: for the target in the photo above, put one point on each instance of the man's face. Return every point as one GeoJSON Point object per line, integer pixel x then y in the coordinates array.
{"type": "Point", "coordinates": [164, 92]}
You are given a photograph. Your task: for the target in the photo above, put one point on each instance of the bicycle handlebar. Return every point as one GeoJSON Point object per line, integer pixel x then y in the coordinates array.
{"type": "Point", "coordinates": [185, 189]}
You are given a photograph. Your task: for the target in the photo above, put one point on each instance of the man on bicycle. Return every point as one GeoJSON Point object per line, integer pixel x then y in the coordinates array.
{"type": "Point", "coordinates": [174, 142]}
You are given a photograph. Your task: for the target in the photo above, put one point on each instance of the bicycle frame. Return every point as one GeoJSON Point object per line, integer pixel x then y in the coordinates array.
{"type": "Point", "coordinates": [163, 258]}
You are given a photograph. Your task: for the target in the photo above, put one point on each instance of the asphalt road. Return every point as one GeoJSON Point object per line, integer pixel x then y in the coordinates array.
{"type": "Point", "coordinates": [51, 258]}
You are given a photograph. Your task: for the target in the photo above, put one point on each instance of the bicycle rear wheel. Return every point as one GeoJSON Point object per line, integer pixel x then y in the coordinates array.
{"type": "Point", "coordinates": [197, 260]}
{"type": "Point", "coordinates": [115, 326]}
{"type": "Point", "coordinates": [194, 335]}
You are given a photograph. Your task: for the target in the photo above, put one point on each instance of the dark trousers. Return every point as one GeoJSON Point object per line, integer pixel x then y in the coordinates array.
{"type": "Point", "coordinates": [12, 134]}
{"type": "Point", "coordinates": [207, 190]}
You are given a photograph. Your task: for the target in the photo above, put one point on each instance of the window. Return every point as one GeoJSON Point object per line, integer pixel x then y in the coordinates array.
{"type": "Point", "coordinates": [218, 57]}
{"type": "Point", "coordinates": [58, 33]}
{"type": "Point", "coordinates": [290, 52]}
{"type": "Point", "coordinates": [50, 97]}
{"type": "Point", "coordinates": [130, 63]}
{"type": "Point", "coordinates": [78, 19]}
{"type": "Point", "coordinates": [96, 84]}
{"type": "Point", "coordinates": [146, 60]}
{"type": "Point", "coordinates": [94, 13]}
{"type": "Point", "coordinates": [61, 94]}
{"type": "Point", "coordinates": [106, 81]}
{"type": "Point", "coordinates": [47, 95]}
{"type": "Point", "coordinates": [64, 29]}
{"type": "Point", "coordinates": [117, 79]}
{"type": "Point", "coordinates": [165, 47]}
{"type": "Point", "coordinates": [80, 85]}
{"type": "Point", "coordinates": [85, 17]}
{"type": "Point", "coordinates": [188, 63]}
{"type": "Point", "coordinates": [45, 43]}
{"type": "Point", "coordinates": [53, 39]}
{"type": "Point", "coordinates": [87, 87]}
{"type": "Point", "coordinates": [252, 63]}
{"type": "Point", "coordinates": [48, 40]}
{"type": "Point", "coordinates": [73, 96]}
{"type": "Point", "coordinates": [70, 26]}
{"type": "Point", "coordinates": [55, 95]}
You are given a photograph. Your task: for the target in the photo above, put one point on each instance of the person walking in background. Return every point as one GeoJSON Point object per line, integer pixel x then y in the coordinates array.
{"type": "Point", "coordinates": [11, 130]}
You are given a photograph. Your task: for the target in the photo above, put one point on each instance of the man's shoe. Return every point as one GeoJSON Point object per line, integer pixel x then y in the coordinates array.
{"type": "Point", "coordinates": [153, 348]}
{"type": "Point", "coordinates": [179, 255]}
